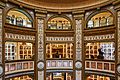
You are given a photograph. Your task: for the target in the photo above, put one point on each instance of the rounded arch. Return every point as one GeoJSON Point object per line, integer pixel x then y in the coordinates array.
{"type": "Point", "coordinates": [15, 13]}
{"type": "Point", "coordinates": [93, 14]}
{"type": "Point", "coordinates": [25, 12]}
{"type": "Point", "coordinates": [58, 17]}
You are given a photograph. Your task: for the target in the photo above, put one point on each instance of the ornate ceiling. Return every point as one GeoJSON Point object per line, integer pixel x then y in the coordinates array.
{"type": "Point", "coordinates": [63, 4]}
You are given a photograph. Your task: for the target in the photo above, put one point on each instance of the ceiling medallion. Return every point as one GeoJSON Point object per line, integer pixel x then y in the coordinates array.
{"type": "Point", "coordinates": [40, 65]}
{"type": "Point", "coordinates": [78, 64]}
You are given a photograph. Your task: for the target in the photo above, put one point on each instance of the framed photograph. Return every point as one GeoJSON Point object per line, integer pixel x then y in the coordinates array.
{"type": "Point", "coordinates": [87, 65]}
{"type": "Point", "coordinates": [31, 65]}
{"type": "Point", "coordinates": [70, 63]}
{"type": "Point", "coordinates": [65, 63]}
{"type": "Point", "coordinates": [99, 66]}
{"type": "Point", "coordinates": [59, 63]}
{"type": "Point", "coordinates": [19, 66]}
{"type": "Point", "coordinates": [113, 67]}
{"type": "Point", "coordinates": [12, 67]}
{"type": "Point", "coordinates": [93, 65]}
{"type": "Point", "coordinates": [25, 65]}
{"type": "Point", "coordinates": [6, 67]}
{"type": "Point", "coordinates": [106, 66]}
{"type": "Point", "coordinates": [53, 63]}
{"type": "Point", "coordinates": [48, 63]}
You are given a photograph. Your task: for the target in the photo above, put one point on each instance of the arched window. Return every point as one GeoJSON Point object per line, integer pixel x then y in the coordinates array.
{"type": "Point", "coordinates": [90, 23]}
{"type": "Point", "coordinates": [100, 20]}
{"type": "Point", "coordinates": [19, 17]}
{"type": "Point", "coordinates": [59, 23]}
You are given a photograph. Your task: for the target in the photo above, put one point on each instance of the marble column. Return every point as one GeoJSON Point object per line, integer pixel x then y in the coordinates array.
{"type": "Point", "coordinates": [78, 58]}
{"type": "Point", "coordinates": [41, 48]}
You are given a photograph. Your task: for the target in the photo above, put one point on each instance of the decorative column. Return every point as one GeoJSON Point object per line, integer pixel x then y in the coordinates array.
{"type": "Point", "coordinates": [78, 56]}
{"type": "Point", "coordinates": [40, 56]}
{"type": "Point", "coordinates": [118, 45]}
{"type": "Point", "coordinates": [1, 42]}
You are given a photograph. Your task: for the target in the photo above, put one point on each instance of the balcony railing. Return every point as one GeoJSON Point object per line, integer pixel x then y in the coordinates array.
{"type": "Point", "coordinates": [59, 64]}
{"type": "Point", "coordinates": [104, 66]}
{"type": "Point", "coordinates": [18, 66]}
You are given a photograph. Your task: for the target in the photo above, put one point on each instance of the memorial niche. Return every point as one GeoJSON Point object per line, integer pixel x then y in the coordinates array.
{"type": "Point", "coordinates": [100, 20]}
{"type": "Point", "coordinates": [18, 17]}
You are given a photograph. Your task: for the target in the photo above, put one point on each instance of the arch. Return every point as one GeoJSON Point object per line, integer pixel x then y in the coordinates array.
{"type": "Point", "coordinates": [62, 20]}
{"type": "Point", "coordinates": [100, 19]}
{"type": "Point", "coordinates": [19, 17]}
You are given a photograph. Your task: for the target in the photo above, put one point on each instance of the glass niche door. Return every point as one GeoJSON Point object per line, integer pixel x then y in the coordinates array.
{"type": "Point", "coordinates": [60, 76]}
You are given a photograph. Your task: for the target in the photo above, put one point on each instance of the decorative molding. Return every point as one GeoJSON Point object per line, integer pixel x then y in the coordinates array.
{"type": "Point", "coordinates": [19, 74]}
{"type": "Point", "coordinates": [2, 4]}
{"type": "Point", "coordinates": [40, 65]}
{"type": "Point", "coordinates": [59, 71]}
{"type": "Point", "coordinates": [99, 37]}
{"type": "Point", "coordinates": [40, 47]}
{"type": "Point", "coordinates": [80, 16]}
{"type": "Point", "coordinates": [40, 39]}
{"type": "Point", "coordinates": [118, 69]}
{"type": "Point", "coordinates": [1, 37]}
{"type": "Point", "coordinates": [40, 75]}
{"type": "Point", "coordinates": [59, 64]}
{"type": "Point", "coordinates": [18, 67]}
{"type": "Point", "coordinates": [79, 40]}
{"type": "Point", "coordinates": [60, 39]}
{"type": "Point", "coordinates": [78, 75]}
{"type": "Point", "coordinates": [99, 73]}
{"type": "Point", "coordinates": [78, 65]}
{"type": "Point", "coordinates": [118, 34]}
{"type": "Point", "coordinates": [19, 36]}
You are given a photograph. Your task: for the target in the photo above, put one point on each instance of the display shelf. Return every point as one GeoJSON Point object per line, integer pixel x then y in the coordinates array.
{"type": "Point", "coordinates": [59, 50]}
{"type": "Point", "coordinates": [10, 51]}
{"type": "Point", "coordinates": [107, 48]}
{"type": "Point", "coordinates": [18, 51]}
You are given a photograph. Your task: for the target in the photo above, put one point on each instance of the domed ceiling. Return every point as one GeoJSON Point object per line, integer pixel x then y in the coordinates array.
{"type": "Point", "coordinates": [63, 4]}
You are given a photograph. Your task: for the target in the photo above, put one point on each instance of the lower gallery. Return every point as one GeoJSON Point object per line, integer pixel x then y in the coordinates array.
{"type": "Point", "coordinates": [59, 39]}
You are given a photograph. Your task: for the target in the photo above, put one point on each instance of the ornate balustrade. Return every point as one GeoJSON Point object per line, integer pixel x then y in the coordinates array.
{"type": "Point", "coordinates": [104, 66]}
{"type": "Point", "coordinates": [18, 66]}
{"type": "Point", "coordinates": [59, 64]}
